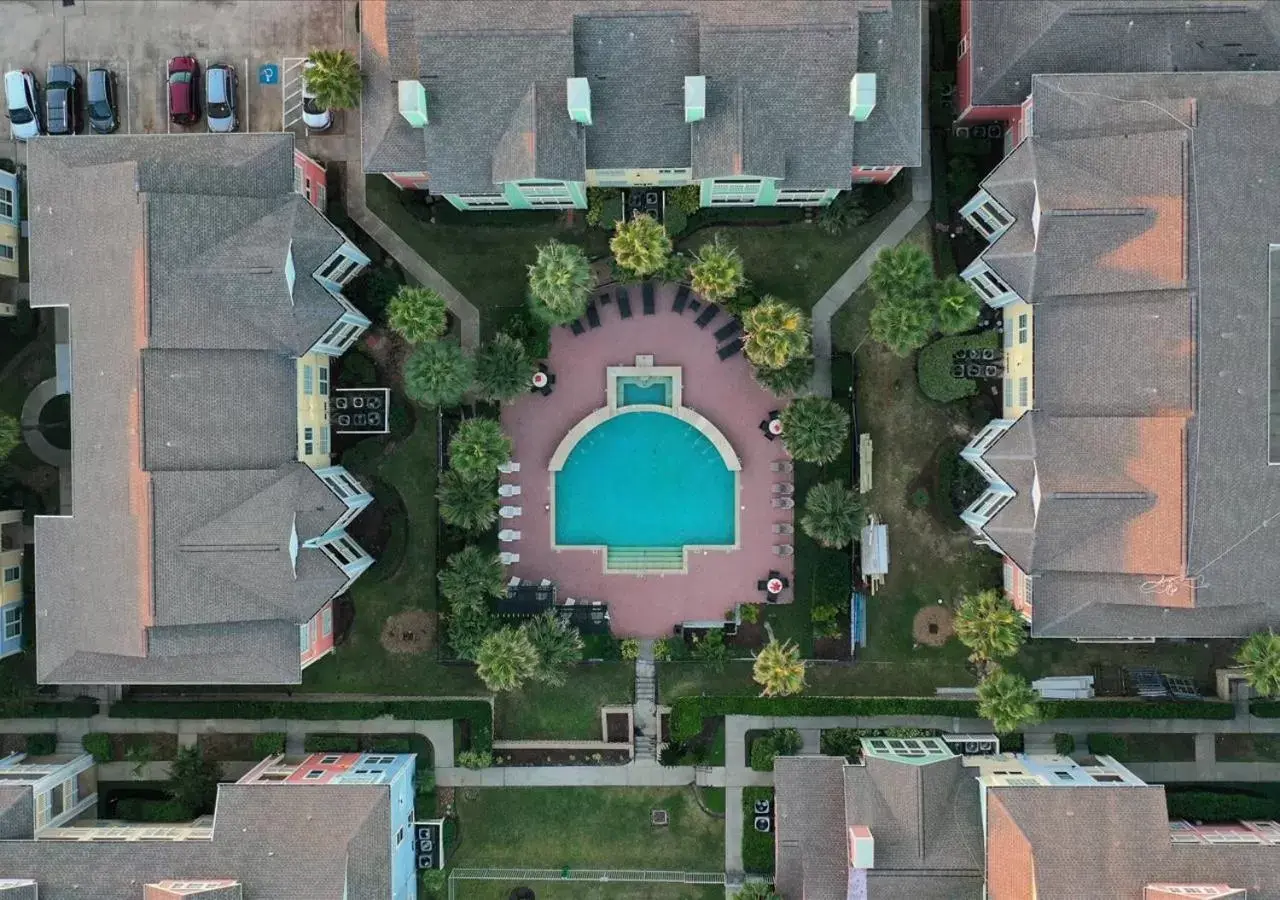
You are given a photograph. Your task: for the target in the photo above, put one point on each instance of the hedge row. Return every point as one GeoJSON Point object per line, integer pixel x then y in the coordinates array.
{"type": "Point", "coordinates": [687, 712]}
{"type": "Point", "coordinates": [1266, 709]}
{"type": "Point", "coordinates": [1209, 806]}
{"type": "Point", "coordinates": [80, 708]}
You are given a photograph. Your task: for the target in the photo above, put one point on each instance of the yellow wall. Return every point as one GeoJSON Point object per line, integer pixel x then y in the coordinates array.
{"type": "Point", "coordinates": [11, 519]}
{"type": "Point", "coordinates": [639, 176]}
{"type": "Point", "coordinates": [9, 235]}
{"type": "Point", "coordinates": [313, 410]}
{"type": "Point", "coordinates": [1017, 358]}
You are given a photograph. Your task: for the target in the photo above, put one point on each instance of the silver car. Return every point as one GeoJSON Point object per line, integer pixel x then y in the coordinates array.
{"type": "Point", "coordinates": [220, 97]}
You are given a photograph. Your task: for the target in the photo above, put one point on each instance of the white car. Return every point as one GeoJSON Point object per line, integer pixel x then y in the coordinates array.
{"type": "Point", "coordinates": [313, 116]}
{"type": "Point", "coordinates": [23, 104]}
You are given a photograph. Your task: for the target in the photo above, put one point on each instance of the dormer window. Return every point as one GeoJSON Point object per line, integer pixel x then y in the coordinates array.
{"type": "Point", "coordinates": [290, 275]}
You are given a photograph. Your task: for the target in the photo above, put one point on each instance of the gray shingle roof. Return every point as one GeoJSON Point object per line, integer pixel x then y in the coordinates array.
{"type": "Point", "coordinates": [777, 91]}
{"type": "Point", "coordinates": [17, 811]}
{"type": "Point", "coordinates": [1012, 40]}
{"type": "Point", "coordinates": [1150, 298]}
{"type": "Point", "coordinates": [170, 253]}
{"type": "Point", "coordinates": [284, 842]}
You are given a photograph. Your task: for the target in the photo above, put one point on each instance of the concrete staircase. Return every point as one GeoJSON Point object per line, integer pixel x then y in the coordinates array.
{"type": "Point", "coordinates": [645, 711]}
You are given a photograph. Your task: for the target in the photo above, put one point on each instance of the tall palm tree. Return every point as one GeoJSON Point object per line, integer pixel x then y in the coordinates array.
{"type": "Point", "coordinates": [560, 282]}
{"type": "Point", "coordinates": [504, 369]}
{"type": "Point", "coordinates": [559, 646]}
{"type": "Point", "coordinates": [1008, 701]}
{"type": "Point", "coordinates": [957, 304]}
{"type": "Point", "coordinates": [776, 333]}
{"type": "Point", "coordinates": [832, 514]}
{"type": "Point", "coordinates": [334, 77]}
{"type": "Point", "coordinates": [904, 271]}
{"type": "Point", "coordinates": [903, 324]}
{"type": "Point", "coordinates": [417, 314]}
{"type": "Point", "coordinates": [1260, 658]}
{"type": "Point", "coordinates": [471, 506]}
{"type": "Point", "coordinates": [438, 374]}
{"type": "Point", "coordinates": [471, 576]}
{"type": "Point", "coordinates": [778, 668]}
{"type": "Point", "coordinates": [640, 245]}
{"type": "Point", "coordinates": [717, 272]}
{"type": "Point", "coordinates": [815, 429]}
{"type": "Point", "coordinates": [477, 448]}
{"type": "Point", "coordinates": [506, 659]}
{"type": "Point", "coordinates": [989, 626]}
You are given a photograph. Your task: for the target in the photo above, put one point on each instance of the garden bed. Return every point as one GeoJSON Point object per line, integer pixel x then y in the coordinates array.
{"type": "Point", "coordinates": [1139, 748]}
{"type": "Point", "coordinates": [617, 728]}
{"type": "Point", "coordinates": [560, 756]}
{"type": "Point", "coordinates": [1247, 747]}
{"type": "Point", "coordinates": [228, 747]}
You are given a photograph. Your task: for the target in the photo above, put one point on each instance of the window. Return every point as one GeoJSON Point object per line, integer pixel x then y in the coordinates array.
{"type": "Point", "coordinates": [6, 251]}
{"type": "Point", "coordinates": [1063, 776]}
{"type": "Point", "coordinates": [964, 46]}
{"type": "Point", "coordinates": [735, 191]}
{"type": "Point", "coordinates": [496, 201]}
{"type": "Point", "coordinates": [338, 484]}
{"type": "Point", "coordinates": [323, 371]}
{"type": "Point", "coordinates": [800, 197]}
{"type": "Point", "coordinates": [305, 635]}
{"type": "Point", "coordinates": [308, 380]}
{"type": "Point", "coordinates": [324, 438]}
{"type": "Point", "coordinates": [380, 760]}
{"type": "Point", "coordinates": [330, 759]}
{"type": "Point", "coordinates": [12, 623]}
{"type": "Point", "coordinates": [326, 621]}
{"type": "Point", "coordinates": [1023, 328]}
{"type": "Point", "coordinates": [6, 203]}
{"type": "Point", "coordinates": [339, 268]}
{"type": "Point", "coordinates": [314, 774]}
{"type": "Point", "coordinates": [12, 574]}
{"type": "Point", "coordinates": [308, 441]}
{"type": "Point", "coordinates": [1024, 391]}
{"type": "Point", "coordinates": [399, 836]}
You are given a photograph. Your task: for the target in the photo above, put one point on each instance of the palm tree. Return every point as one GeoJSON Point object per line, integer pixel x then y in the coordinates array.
{"type": "Point", "coordinates": [776, 333]}
{"type": "Point", "coordinates": [477, 448]}
{"type": "Point", "coordinates": [559, 646]}
{"type": "Point", "coordinates": [902, 324]}
{"type": "Point", "coordinates": [471, 576]}
{"type": "Point", "coordinates": [10, 434]}
{"type": "Point", "coordinates": [1007, 700]}
{"type": "Point", "coordinates": [417, 314]}
{"type": "Point", "coordinates": [958, 306]}
{"type": "Point", "coordinates": [438, 374]}
{"type": "Point", "coordinates": [716, 272]}
{"type": "Point", "coordinates": [778, 668]}
{"type": "Point", "coordinates": [334, 77]}
{"type": "Point", "coordinates": [832, 514]}
{"type": "Point", "coordinates": [504, 369]}
{"type": "Point", "coordinates": [904, 271]}
{"type": "Point", "coordinates": [560, 283]}
{"type": "Point", "coordinates": [469, 505]}
{"type": "Point", "coordinates": [989, 626]}
{"type": "Point", "coordinates": [1260, 658]}
{"type": "Point", "coordinates": [506, 659]}
{"type": "Point", "coordinates": [785, 381]}
{"type": "Point", "coordinates": [815, 429]}
{"type": "Point", "coordinates": [640, 245]}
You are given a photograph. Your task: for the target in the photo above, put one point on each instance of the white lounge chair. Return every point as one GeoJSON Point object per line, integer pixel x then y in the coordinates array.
{"type": "Point", "coordinates": [784, 503]}
{"type": "Point", "coordinates": [784, 487]}
{"type": "Point", "coordinates": [508, 559]}
{"type": "Point", "coordinates": [509, 467]}
{"type": "Point", "coordinates": [546, 582]}
{"type": "Point", "coordinates": [783, 528]}
{"type": "Point", "coordinates": [782, 465]}
{"type": "Point", "coordinates": [510, 512]}
{"type": "Point", "coordinates": [515, 582]}
{"type": "Point", "coordinates": [783, 550]}
{"type": "Point", "coordinates": [508, 490]}
{"type": "Point", "coordinates": [508, 535]}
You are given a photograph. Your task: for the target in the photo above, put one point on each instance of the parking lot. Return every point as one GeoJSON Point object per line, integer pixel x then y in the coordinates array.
{"type": "Point", "coordinates": [136, 38]}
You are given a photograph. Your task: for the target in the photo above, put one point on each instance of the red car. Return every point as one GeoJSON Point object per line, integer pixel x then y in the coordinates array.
{"type": "Point", "coordinates": [184, 90]}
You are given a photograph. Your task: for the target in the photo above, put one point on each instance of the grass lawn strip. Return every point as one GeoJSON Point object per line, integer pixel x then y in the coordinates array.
{"type": "Point", "coordinates": [570, 712]}
{"type": "Point", "coordinates": [593, 828]}
{"type": "Point", "coordinates": [1139, 748]}
{"type": "Point", "coordinates": [1247, 747]}
{"type": "Point", "coordinates": [586, 890]}
{"type": "Point", "coordinates": [757, 846]}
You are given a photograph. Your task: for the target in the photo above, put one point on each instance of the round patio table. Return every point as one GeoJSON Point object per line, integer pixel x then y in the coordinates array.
{"type": "Point", "coordinates": [775, 426]}
{"type": "Point", "coordinates": [774, 586]}
{"type": "Point", "coordinates": [539, 380]}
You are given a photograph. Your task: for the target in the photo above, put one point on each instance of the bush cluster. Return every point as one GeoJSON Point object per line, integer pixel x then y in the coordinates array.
{"type": "Point", "coordinates": [268, 743]}
{"type": "Point", "coordinates": [98, 745]}
{"type": "Point", "coordinates": [1064, 744]}
{"type": "Point", "coordinates": [1210, 806]}
{"type": "Point", "coordinates": [41, 744]}
{"type": "Point", "coordinates": [772, 744]}
{"type": "Point", "coordinates": [933, 369]}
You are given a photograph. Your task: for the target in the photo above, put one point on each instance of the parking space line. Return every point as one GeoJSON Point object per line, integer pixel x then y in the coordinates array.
{"type": "Point", "coordinates": [204, 86]}
{"type": "Point", "coordinates": [248, 109]}
{"type": "Point", "coordinates": [128, 98]}
{"type": "Point", "coordinates": [168, 108]}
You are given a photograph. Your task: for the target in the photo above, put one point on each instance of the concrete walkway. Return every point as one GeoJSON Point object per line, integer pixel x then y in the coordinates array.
{"type": "Point", "coordinates": [644, 712]}
{"type": "Point", "coordinates": [636, 774]}
{"type": "Point", "coordinates": [39, 444]}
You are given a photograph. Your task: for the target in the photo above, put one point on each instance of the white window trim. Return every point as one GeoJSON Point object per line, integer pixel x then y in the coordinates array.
{"type": "Point", "coordinates": [12, 620]}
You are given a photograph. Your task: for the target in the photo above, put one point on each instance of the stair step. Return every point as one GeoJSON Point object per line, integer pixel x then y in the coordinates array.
{"type": "Point", "coordinates": [638, 559]}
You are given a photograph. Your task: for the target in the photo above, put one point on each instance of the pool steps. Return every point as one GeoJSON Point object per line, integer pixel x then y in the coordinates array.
{"type": "Point", "coordinates": [645, 559]}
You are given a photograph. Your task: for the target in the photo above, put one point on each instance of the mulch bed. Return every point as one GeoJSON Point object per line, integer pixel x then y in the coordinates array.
{"type": "Point", "coordinates": [831, 648]}
{"type": "Point", "coordinates": [411, 632]}
{"type": "Point", "coordinates": [12, 743]}
{"type": "Point", "coordinates": [372, 528]}
{"type": "Point", "coordinates": [616, 728]}
{"type": "Point", "coordinates": [932, 626]}
{"type": "Point", "coordinates": [164, 746]}
{"type": "Point", "coordinates": [228, 747]}
{"type": "Point", "coordinates": [562, 757]}
{"type": "Point", "coordinates": [750, 636]}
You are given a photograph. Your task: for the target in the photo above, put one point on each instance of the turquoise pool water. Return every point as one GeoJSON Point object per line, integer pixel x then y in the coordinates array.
{"type": "Point", "coordinates": [645, 479]}
{"type": "Point", "coordinates": [634, 390]}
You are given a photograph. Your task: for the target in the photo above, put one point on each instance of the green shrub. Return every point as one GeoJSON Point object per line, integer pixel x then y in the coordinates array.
{"type": "Point", "coordinates": [41, 744]}
{"type": "Point", "coordinates": [676, 220]}
{"type": "Point", "coordinates": [778, 742]}
{"type": "Point", "coordinates": [373, 289]}
{"type": "Point", "coordinates": [133, 809]}
{"type": "Point", "coordinates": [80, 708]}
{"type": "Point", "coordinates": [1265, 709]}
{"type": "Point", "coordinates": [605, 207]}
{"type": "Point", "coordinates": [602, 646]}
{"type": "Point", "coordinates": [687, 198]}
{"type": "Point", "coordinates": [1108, 745]}
{"type": "Point", "coordinates": [933, 369]}
{"type": "Point", "coordinates": [387, 744]}
{"type": "Point", "coordinates": [98, 745]}
{"type": "Point", "coordinates": [1210, 806]}
{"type": "Point", "coordinates": [1063, 744]}
{"type": "Point", "coordinates": [757, 846]}
{"type": "Point", "coordinates": [1012, 743]}
{"type": "Point", "coordinates": [472, 759]}
{"type": "Point", "coordinates": [355, 369]}
{"type": "Point", "coordinates": [529, 330]}
{"type": "Point", "coordinates": [331, 743]}
{"type": "Point", "coordinates": [920, 498]}
{"type": "Point", "coordinates": [686, 719]}
{"type": "Point", "coordinates": [268, 743]}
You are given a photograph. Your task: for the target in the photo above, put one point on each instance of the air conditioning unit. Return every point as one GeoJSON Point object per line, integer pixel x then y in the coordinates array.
{"type": "Point", "coordinates": [339, 402]}
{"type": "Point", "coordinates": [357, 402]}
{"type": "Point", "coordinates": [764, 824]}
{"type": "Point", "coordinates": [972, 744]}
{"type": "Point", "coordinates": [375, 418]}
{"type": "Point", "coordinates": [344, 420]}
{"type": "Point", "coordinates": [374, 402]}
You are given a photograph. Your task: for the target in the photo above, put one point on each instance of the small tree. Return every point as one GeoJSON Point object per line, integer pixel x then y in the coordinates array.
{"type": "Point", "coordinates": [903, 324]}
{"type": "Point", "coordinates": [716, 272]}
{"type": "Point", "coordinates": [832, 514]}
{"type": "Point", "coordinates": [438, 374]}
{"type": "Point", "coordinates": [477, 448]}
{"type": "Point", "coordinates": [468, 626]}
{"type": "Point", "coordinates": [815, 429]}
{"type": "Point", "coordinates": [757, 890]}
{"type": "Point", "coordinates": [506, 659]}
{"type": "Point", "coordinates": [957, 304]}
{"type": "Point", "coordinates": [559, 646]}
{"type": "Point", "coordinates": [193, 781]}
{"type": "Point", "coordinates": [778, 668]}
{"type": "Point", "coordinates": [785, 381]}
{"type": "Point", "coordinates": [471, 506]}
{"type": "Point", "coordinates": [640, 245]}
{"type": "Point", "coordinates": [711, 649]}
{"type": "Point", "coordinates": [1007, 700]}
{"type": "Point", "coordinates": [504, 369]}
{"type": "Point", "coordinates": [989, 626]}
{"type": "Point", "coordinates": [560, 283]}
{"type": "Point", "coordinates": [1259, 656]}
{"type": "Point", "coordinates": [904, 271]}
{"type": "Point", "coordinates": [471, 576]}
{"type": "Point", "coordinates": [10, 434]}
{"type": "Point", "coordinates": [776, 333]}
{"type": "Point", "coordinates": [334, 77]}
{"type": "Point", "coordinates": [417, 314]}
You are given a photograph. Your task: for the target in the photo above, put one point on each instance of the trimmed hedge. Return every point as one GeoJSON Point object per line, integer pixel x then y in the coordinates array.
{"type": "Point", "coordinates": [331, 743]}
{"type": "Point", "coordinates": [1208, 806]}
{"type": "Point", "coordinates": [771, 744]}
{"type": "Point", "coordinates": [687, 712]}
{"type": "Point", "coordinates": [757, 846]}
{"type": "Point", "coordinates": [1265, 709]}
{"type": "Point", "coordinates": [268, 743]}
{"type": "Point", "coordinates": [933, 369]}
{"type": "Point", "coordinates": [41, 744]}
{"type": "Point", "coordinates": [98, 745]}
{"type": "Point", "coordinates": [478, 713]}
{"type": "Point", "coordinates": [1064, 744]}
{"type": "Point", "coordinates": [81, 708]}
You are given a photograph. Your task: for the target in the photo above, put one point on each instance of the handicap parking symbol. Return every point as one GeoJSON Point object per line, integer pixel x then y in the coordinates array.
{"type": "Point", "coordinates": [269, 74]}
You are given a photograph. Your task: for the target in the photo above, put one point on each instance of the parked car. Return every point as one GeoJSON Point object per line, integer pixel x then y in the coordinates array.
{"type": "Point", "coordinates": [23, 104]}
{"type": "Point", "coordinates": [184, 90]}
{"type": "Point", "coordinates": [220, 97]}
{"type": "Point", "coordinates": [314, 116]}
{"type": "Point", "coordinates": [101, 99]}
{"type": "Point", "coordinates": [62, 99]}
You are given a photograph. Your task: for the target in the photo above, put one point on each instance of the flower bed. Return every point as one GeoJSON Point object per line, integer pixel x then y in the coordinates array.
{"type": "Point", "coordinates": [561, 756]}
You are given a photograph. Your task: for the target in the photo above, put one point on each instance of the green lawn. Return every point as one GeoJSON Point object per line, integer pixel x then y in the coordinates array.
{"type": "Point", "coordinates": [757, 846]}
{"type": "Point", "coordinates": [548, 828]}
{"type": "Point", "coordinates": [571, 712]}
{"type": "Point", "coordinates": [1140, 748]}
{"type": "Point", "coordinates": [585, 890]}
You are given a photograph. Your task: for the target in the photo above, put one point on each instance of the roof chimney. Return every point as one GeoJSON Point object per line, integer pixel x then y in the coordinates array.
{"type": "Point", "coordinates": [413, 102]}
{"type": "Point", "coordinates": [579, 100]}
{"type": "Point", "coordinates": [695, 98]}
{"type": "Point", "coordinates": [862, 95]}
{"type": "Point", "coordinates": [862, 848]}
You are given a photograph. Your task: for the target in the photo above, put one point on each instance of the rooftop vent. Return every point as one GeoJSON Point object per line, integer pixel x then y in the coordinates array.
{"type": "Point", "coordinates": [413, 102]}
{"type": "Point", "coordinates": [579, 100]}
{"type": "Point", "coordinates": [862, 95]}
{"type": "Point", "coordinates": [695, 98]}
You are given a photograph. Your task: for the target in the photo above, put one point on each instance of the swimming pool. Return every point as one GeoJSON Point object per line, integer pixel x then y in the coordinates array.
{"type": "Point", "coordinates": [634, 390]}
{"type": "Point", "coordinates": [645, 479]}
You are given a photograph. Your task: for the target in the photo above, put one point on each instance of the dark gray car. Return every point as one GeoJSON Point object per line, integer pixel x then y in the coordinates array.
{"type": "Point", "coordinates": [101, 100]}
{"type": "Point", "coordinates": [62, 99]}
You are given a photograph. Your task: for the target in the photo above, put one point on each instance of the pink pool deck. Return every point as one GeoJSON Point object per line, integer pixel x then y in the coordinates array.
{"type": "Point", "coordinates": [649, 605]}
